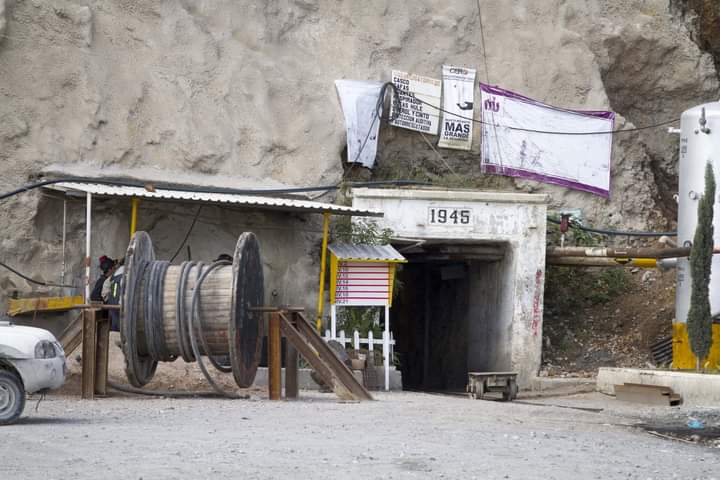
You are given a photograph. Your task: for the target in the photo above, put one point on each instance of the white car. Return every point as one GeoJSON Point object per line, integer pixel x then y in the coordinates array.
{"type": "Point", "coordinates": [31, 360]}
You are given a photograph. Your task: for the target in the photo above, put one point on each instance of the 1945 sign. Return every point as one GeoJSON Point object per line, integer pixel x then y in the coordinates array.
{"type": "Point", "coordinates": [450, 216]}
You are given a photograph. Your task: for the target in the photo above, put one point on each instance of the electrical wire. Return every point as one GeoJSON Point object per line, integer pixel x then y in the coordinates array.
{"type": "Point", "coordinates": [187, 235]}
{"type": "Point", "coordinates": [487, 80]}
{"type": "Point", "coordinates": [482, 40]}
{"type": "Point", "coordinates": [613, 232]}
{"type": "Point", "coordinates": [548, 132]}
{"type": "Point", "coordinates": [377, 114]}
{"type": "Point", "coordinates": [31, 280]}
{"type": "Point", "coordinates": [442, 159]}
{"type": "Point", "coordinates": [166, 393]}
{"type": "Point", "coordinates": [185, 188]}
{"type": "Point", "coordinates": [195, 316]}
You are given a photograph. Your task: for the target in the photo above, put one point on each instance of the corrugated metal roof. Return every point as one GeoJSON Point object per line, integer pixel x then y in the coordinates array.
{"type": "Point", "coordinates": [349, 251]}
{"type": "Point", "coordinates": [259, 201]}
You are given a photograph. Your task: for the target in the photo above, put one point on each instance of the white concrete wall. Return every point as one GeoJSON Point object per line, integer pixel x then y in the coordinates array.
{"type": "Point", "coordinates": [696, 389]}
{"type": "Point", "coordinates": [517, 220]}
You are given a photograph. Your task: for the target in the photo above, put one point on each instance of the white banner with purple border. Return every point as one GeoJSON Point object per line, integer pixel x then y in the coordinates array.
{"type": "Point", "coordinates": [513, 143]}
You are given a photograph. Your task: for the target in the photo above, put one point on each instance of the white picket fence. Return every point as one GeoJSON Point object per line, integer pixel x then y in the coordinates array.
{"type": "Point", "coordinates": [387, 341]}
{"type": "Point", "coordinates": [358, 343]}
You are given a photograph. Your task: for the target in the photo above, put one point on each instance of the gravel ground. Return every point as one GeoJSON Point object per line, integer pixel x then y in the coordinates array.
{"type": "Point", "coordinates": [402, 435]}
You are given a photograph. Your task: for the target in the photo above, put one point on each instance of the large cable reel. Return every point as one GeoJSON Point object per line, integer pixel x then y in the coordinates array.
{"type": "Point", "coordinates": [190, 310]}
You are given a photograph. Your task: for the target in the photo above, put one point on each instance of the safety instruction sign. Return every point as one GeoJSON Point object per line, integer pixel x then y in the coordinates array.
{"type": "Point", "coordinates": [363, 283]}
{"type": "Point", "coordinates": [458, 86]}
{"type": "Point", "coordinates": [418, 105]}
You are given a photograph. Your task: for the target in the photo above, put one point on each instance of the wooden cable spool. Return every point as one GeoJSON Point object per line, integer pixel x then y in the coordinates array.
{"type": "Point", "coordinates": [157, 311]}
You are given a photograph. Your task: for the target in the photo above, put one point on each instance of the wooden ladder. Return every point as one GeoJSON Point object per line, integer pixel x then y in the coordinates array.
{"type": "Point", "coordinates": [71, 337]}
{"type": "Point", "coordinates": [302, 334]}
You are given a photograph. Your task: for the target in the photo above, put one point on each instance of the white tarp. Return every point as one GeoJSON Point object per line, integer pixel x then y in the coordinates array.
{"type": "Point", "coordinates": [458, 94]}
{"type": "Point", "coordinates": [359, 99]}
{"type": "Point", "coordinates": [413, 114]}
{"type": "Point", "coordinates": [581, 162]}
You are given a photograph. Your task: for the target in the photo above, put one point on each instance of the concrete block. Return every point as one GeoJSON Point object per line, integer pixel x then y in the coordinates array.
{"type": "Point", "coordinates": [697, 389]}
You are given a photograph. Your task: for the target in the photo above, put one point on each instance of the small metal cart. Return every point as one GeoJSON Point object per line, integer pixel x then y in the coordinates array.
{"type": "Point", "coordinates": [480, 383]}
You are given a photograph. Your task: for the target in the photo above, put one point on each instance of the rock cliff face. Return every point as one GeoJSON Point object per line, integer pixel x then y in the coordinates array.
{"type": "Point", "coordinates": [241, 93]}
{"type": "Point", "coordinates": [703, 21]}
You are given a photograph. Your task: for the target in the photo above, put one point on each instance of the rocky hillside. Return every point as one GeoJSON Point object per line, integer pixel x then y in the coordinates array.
{"type": "Point", "coordinates": [241, 93]}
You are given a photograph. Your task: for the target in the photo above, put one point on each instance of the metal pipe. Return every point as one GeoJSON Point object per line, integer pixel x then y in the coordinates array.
{"type": "Point", "coordinates": [665, 240]}
{"type": "Point", "coordinates": [64, 236]}
{"type": "Point", "coordinates": [386, 347]}
{"type": "Point", "coordinates": [88, 238]}
{"type": "Point", "coordinates": [603, 262]}
{"type": "Point", "coordinates": [133, 215]}
{"type": "Point", "coordinates": [621, 252]}
{"type": "Point", "coordinates": [417, 243]}
{"type": "Point", "coordinates": [323, 263]}
{"type": "Point", "coordinates": [665, 264]}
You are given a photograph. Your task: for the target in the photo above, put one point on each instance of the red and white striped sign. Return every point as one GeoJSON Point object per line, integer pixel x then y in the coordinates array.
{"type": "Point", "coordinates": [363, 283]}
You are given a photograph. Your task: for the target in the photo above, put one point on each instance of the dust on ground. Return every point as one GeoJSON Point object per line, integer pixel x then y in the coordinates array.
{"type": "Point", "coordinates": [401, 435]}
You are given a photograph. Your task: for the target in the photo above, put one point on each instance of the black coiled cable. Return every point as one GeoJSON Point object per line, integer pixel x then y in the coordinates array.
{"type": "Point", "coordinates": [192, 344]}
{"type": "Point", "coordinates": [191, 330]}
{"type": "Point", "coordinates": [153, 313]}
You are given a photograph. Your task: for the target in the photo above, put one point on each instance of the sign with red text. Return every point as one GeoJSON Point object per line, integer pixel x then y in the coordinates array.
{"type": "Point", "coordinates": [363, 283]}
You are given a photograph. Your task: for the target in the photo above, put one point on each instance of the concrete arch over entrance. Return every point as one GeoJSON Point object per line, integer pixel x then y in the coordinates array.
{"type": "Point", "coordinates": [473, 293]}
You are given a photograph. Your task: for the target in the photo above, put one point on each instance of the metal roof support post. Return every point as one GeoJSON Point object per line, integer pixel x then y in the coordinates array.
{"type": "Point", "coordinates": [64, 237]}
{"type": "Point", "coordinates": [323, 266]}
{"type": "Point", "coordinates": [386, 347]}
{"type": "Point", "coordinates": [133, 215]}
{"type": "Point", "coordinates": [88, 237]}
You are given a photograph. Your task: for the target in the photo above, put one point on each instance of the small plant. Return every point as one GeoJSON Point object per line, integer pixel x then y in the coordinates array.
{"type": "Point", "coordinates": [362, 319]}
{"type": "Point", "coordinates": [363, 232]}
{"type": "Point", "coordinates": [608, 284]}
{"type": "Point", "coordinates": [568, 289]}
{"type": "Point", "coordinates": [699, 319]}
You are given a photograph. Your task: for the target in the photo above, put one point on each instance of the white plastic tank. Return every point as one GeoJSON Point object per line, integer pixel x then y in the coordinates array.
{"type": "Point", "coordinates": [699, 144]}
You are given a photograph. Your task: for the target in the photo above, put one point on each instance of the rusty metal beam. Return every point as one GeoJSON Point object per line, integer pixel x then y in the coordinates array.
{"type": "Point", "coordinates": [274, 357]}
{"type": "Point", "coordinates": [19, 306]}
{"type": "Point", "coordinates": [89, 352]}
{"type": "Point", "coordinates": [323, 359]}
{"type": "Point", "coordinates": [102, 351]}
{"type": "Point", "coordinates": [291, 368]}
{"type": "Point", "coordinates": [95, 347]}
{"type": "Point", "coordinates": [603, 262]}
{"type": "Point", "coordinates": [606, 252]}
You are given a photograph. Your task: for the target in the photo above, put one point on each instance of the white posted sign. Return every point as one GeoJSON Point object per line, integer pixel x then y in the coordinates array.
{"type": "Point", "coordinates": [359, 100]}
{"type": "Point", "coordinates": [363, 283]}
{"type": "Point", "coordinates": [413, 114]}
{"type": "Point", "coordinates": [581, 162]}
{"type": "Point", "coordinates": [458, 95]}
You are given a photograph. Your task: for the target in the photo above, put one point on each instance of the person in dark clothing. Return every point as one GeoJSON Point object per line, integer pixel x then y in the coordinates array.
{"type": "Point", "coordinates": [112, 292]}
{"type": "Point", "coordinates": [106, 265]}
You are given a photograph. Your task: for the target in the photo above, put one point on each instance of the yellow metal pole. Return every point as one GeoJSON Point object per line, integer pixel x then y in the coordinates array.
{"type": "Point", "coordinates": [323, 263]}
{"type": "Point", "coordinates": [133, 215]}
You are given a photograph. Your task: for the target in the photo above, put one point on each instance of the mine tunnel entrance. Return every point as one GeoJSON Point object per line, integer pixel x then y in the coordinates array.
{"type": "Point", "coordinates": [450, 315]}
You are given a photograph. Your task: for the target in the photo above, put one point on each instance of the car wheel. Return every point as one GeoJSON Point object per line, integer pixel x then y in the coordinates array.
{"type": "Point", "coordinates": [12, 397]}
